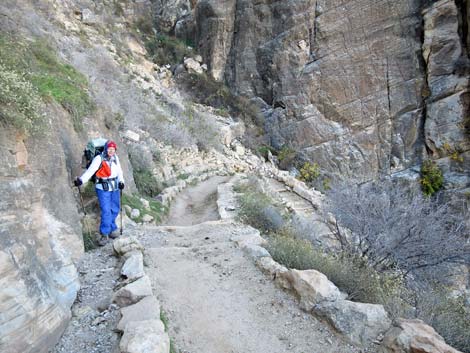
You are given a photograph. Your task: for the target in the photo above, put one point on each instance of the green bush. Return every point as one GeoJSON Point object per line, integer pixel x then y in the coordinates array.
{"type": "Point", "coordinates": [20, 103]}
{"type": "Point", "coordinates": [264, 151]}
{"type": "Point", "coordinates": [258, 209]}
{"type": "Point", "coordinates": [432, 178]}
{"type": "Point", "coordinates": [37, 62]}
{"type": "Point", "coordinates": [145, 25]}
{"type": "Point", "coordinates": [351, 275]}
{"type": "Point", "coordinates": [146, 183]}
{"type": "Point", "coordinates": [157, 210]}
{"type": "Point", "coordinates": [89, 241]}
{"type": "Point", "coordinates": [309, 172]}
{"type": "Point", "coordinates": [164, 50]}
{"type": "Point", "coordinates": [448, 315]}
{"type": "Point", "coordinates": [207, 91]}
{"type": "Point", "coordinates": [286, 157]}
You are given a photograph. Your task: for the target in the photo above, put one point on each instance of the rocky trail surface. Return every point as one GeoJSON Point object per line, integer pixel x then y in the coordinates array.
{"type": "Point", "coordinates": [215, 299]}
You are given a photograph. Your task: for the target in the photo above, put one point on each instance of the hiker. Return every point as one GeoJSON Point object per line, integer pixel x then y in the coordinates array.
{"type": "Point", "coordinates": [109, 182]}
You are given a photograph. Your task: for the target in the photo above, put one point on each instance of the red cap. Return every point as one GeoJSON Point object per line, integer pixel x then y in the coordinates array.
{"type": "Point", "coordinates": [111, 144]}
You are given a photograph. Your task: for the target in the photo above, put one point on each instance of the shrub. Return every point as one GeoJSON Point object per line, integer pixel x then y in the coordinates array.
{"type": "Point", "coordinates": [264, 151]}
{"type": "Point", "coordinates": [309, 172]}
{"type": "Point", "coordinates": [395, 228]}
{"type": "Point", "coordinates": [201, 128]}
{"type": "Point", "coordinates": [20, 103]}
{"type": "Point", "coordinates": [258, 209]}
{"type": "Point", "coordinates": [89, 241]}
{"type": "Point", "coordinates": [145, 25]}
{"type": "Point", "coordinates": [432, 179]}
{"type": "Point", "coordinates": [205, 90]}
{"type": "Point", "coordinates": [164, 50]}
{"type": "Point", "coordinates": [62, 82]}
{"type": "Point", "coordinates": [146, 183]}
{"type": "Point", "coordinates": [351, 274]}
{"type": "Point", "coordinates": [37, 63]}
{"type": "Point", "coordinates": [286, 157]}
{"type": "Point", "coordinates": [157, 210]}
{"type": "Point", "coordinates": [449, 316]}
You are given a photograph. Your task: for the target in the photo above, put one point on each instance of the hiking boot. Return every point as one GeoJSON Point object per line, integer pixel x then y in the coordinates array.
{"type": "Point", "coordinates": [103, 240]}
{"type": "Point", "coordinates": [114, 234]}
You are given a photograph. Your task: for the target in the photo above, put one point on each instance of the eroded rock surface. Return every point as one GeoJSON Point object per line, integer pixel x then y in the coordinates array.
{"type": "Point", "coordinates": [361, 87]}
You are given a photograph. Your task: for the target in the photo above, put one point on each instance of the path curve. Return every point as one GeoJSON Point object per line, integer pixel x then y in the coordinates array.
{"type": "Point", "coordinates": [215, 298]}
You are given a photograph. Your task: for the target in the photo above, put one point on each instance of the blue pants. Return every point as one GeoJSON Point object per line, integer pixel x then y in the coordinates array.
{"type": "Point", "coordinates": [109, 205]}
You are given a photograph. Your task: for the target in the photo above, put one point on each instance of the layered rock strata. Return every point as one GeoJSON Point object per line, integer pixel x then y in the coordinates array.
{"type": "Point", "coordinates": [364, 88]}
{"type": "Point", "coordinates": [39, 242]}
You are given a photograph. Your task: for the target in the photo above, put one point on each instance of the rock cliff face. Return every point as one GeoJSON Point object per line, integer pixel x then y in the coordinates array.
{"type": "Point", "coordinates": [40, 231]}
{"type": "Point", "coordinates": [363, 87]}
{"type": "Point", "coordinates": [39, 239]}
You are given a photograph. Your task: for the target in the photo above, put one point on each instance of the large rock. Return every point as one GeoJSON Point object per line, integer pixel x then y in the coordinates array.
{"type": "Point", "coordinates": [146, 309]}
{"type": "Point", "coordinates": [449, 99]}
{"type": "Point", "coordinates": [313, 287]}
{"type": "Point", "coordinates": [193, 66]}
{"type": "Point", "coordinates": [414, 336]}
{"type": "Point", "coordinates": [145, 337]}
{"type": "Point", "coordinates": [124, 245]}
{"type": "Point", "coordinates": [361, 323]}
{"type": "Point", "coordinates": [168, 13]}
{"type": "Point", "coordinates": [280, 274]}
{"type": "Point", "coordinates": [133, 292]}
{"type": "Point", "coordinates": [40, 240]}
{"type": "Point", "coordinates": [251, 237]}
{"type": "Point", "coordinates": [133, 268]}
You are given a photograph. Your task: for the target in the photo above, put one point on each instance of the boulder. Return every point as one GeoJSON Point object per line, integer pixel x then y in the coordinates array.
{"type": "Point", "coordinates": [361, 323]}
{"type": "Point", "coordinates": [193, 66]}
{"type": "Point", "coordinates": [135, 213]}
{"type": "Point", "coordinates": [124, 245]}
{"type": "Point", "coordinates": [252, 238]}
{"type": "Point", "coordinates": [131, 136]}
{"type": "Point", "coordinates": [255, 251]}
{"type": "Point", "coordinates": [133, 292]}
{"type": "Point", "coordinates": [414, 336]}
{"type": "Point", "coordinates": [133, 268]}
{"type": "Point", "coordinates": [280, 274]}
{"type": "Point", "coordinates": [88, 17]}
{"type": "Point", "coordinates": [146, 218]}
{"type": "Point", "coordinates": [146, 309]}
{"type": "Point", "coordinates": [313, 287]}
{"type": "Point", "coordinates": [147, 336]}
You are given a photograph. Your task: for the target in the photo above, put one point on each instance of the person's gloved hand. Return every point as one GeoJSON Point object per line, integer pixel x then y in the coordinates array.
{"type": "Point", "coordinates": [121, 185]}
{"type": "Point", "coordinates": [77, 182]}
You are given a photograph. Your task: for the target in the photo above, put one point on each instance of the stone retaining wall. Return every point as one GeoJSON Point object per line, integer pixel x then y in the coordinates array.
{"type": "Point", "coordinates": [143, 331]}
{"type": "Point", "coordinates": [362, 324]}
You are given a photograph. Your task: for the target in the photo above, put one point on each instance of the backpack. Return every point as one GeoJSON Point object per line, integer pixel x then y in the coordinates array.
{"type": "Point", "coordinates": [93, 148]}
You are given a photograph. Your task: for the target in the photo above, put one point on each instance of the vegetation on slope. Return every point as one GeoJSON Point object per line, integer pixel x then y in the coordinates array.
{"type": "Point", "coordinates": [31, 69]}
{"type": "Point", "coordinates": [397, 242]}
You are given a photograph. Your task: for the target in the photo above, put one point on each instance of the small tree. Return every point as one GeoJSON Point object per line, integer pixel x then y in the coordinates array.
{"type": "Point", "coordinates": [432, 178]}
{"type": "Point", "coordinates": [392, 228]}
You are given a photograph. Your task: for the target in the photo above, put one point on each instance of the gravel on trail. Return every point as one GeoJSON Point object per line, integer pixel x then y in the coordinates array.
{"type": "Point", "coordinates": [213, 296]}
{"type": "Point", "coordinates": [94, 317]}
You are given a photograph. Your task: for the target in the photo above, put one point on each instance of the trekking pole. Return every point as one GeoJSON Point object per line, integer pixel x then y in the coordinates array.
{"type": "Point", "coordinates": [120, 201]}
{"type": "Point", "coordinates": [85, 220]}
{"type": "Point", "coordinates": [81, 199]}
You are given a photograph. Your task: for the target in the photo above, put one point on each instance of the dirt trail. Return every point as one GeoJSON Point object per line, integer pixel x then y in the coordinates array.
{"type": "Point", "coordinates": [215, 299]}
{"type": "Point", "coordinates": [196, 204]}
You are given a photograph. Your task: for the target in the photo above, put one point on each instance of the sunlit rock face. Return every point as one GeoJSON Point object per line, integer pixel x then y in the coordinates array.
{"type": "Point", "coordinates": [363, 88]}
{"type": "Point", "coordinates": [39, 243]}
